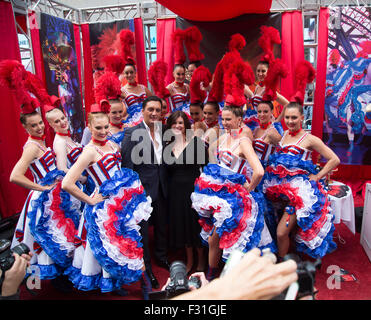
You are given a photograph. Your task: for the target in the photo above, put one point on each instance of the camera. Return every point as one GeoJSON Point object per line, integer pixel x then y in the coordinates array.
{"type": "Point", "coordinates": [6, 257]}
{"type": "Point", "coordinates": [306, 271]}
{"type": "Point", "coordinates": [179, 282]}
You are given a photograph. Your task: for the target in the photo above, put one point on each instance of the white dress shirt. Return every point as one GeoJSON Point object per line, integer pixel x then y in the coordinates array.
{"type": "Point", "coordinates": [158, 139]}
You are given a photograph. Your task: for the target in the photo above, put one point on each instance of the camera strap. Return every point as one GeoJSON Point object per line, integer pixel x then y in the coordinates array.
{"type": "Point", "coordinates": [2, 277]}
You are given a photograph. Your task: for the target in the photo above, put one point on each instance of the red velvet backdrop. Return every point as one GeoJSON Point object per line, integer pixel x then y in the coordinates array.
{"type": "Point", "coordinates": [12, 134]}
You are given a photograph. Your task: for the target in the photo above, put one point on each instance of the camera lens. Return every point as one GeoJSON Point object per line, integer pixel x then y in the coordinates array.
{"type": "Point", "coordinates": [21, 249]}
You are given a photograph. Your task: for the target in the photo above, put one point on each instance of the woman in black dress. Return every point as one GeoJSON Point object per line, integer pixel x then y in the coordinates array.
{"type": "Point", "coordinates": [185, 155]}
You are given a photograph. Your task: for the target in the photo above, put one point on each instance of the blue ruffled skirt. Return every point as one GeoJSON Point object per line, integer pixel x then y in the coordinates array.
{"type": "Point", "coordinates": [112, 253]}
{"type": "Point", "coordinates": [47, 225]}
{"type": "Point", "coordinates": [237, 216]}
{"type": "Point", "coordinates": [287, 181]}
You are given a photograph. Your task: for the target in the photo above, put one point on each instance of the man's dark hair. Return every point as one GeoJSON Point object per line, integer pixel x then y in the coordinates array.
{"type": "Point", "coordinates": [151, 98]}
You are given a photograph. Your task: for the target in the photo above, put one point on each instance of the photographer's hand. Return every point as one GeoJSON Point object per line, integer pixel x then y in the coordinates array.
{"type": "Point", "coordinates": [253, 278]}
{"type": "Point", "coordinates": [202, 277]}
{"type": "Point", "coordinates": [15, 275]}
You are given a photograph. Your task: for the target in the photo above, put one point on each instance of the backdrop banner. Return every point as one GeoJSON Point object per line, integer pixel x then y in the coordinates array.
{"type": "Point", "coordinates": [347, 121]}
{"type": "Point", "coordinates": [61, 70]}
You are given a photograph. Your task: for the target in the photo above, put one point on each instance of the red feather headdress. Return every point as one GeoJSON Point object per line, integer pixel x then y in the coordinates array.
{"type": "Point", "coordinates": [200, 75]}
{"type": "Point", "coordinates": [192, 42]}
{"type": "Point", "coordinates": [304, 74]}
{"type": "Point", "coordinates": [13, 75]}
{"type": "Point", "coordinates": [178, 38]}
{"type": "Point", "coordinates": [108, 87]}
{"type": "Point", "coordinates": [277, 70]}
{"type": "Point", "coordinates": [269, 37]}
{"type": "Point", "coordinates": [156, 76]}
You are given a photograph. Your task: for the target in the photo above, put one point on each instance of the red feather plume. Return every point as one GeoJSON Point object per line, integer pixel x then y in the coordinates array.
{"type": "Point", "coordinates": [237, 42]}
{"type": "Point", "coordinates": [107, 87]}
{"type": "Point", "coordinates": [193, 38]}
{"type": "Point", "coordinates": [13, 75]}
{"type": "Point", "coordinates": [276, 71]}
{"type": "Point", "coordinates": [304, 74]}
{"type": "Point", "coordinates": [200, 75]}
{"type": "Point", "coordinates": [114, 63]}
{"type": "Point", "coordinates": [269, 37]}
{"type": "Point", "coordinates": [156, 76]}
{"type": "Point", "coordinates": [127, 40]}
{"type": "Point", "coordinates": [238, 74]}
{"type": "Point", "coordinates": [178, 38]}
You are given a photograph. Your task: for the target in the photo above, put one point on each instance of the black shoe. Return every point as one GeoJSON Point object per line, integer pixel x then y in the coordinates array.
{"type": "Point", "coordinates": [153, 280]}
{"type": "Point", "coordinates": [163, 263]}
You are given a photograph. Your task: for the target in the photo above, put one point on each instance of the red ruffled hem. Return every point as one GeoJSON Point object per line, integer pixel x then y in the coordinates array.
{"type": "Point", "coordinates": [127, 247]}
{"type": "Point", "coordinates": [58, 215]}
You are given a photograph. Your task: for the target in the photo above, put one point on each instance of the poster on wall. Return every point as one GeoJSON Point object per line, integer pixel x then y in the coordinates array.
{"type": "Point", "coordinates": [347, 123]}
{"type": "Point", "coordinates": [104, 40]}
{"type": "Point", "coordinates": [61, 69]}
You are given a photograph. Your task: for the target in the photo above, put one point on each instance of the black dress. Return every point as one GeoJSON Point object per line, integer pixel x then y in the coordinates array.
{"type": "Point", "coordinates": [184, 229]}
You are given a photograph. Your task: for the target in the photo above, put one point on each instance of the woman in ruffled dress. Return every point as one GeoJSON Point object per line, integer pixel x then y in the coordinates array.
{"type": "Point", "coordinates": [293, 181]}
{"type": "Point", "coordinates": [231, 213]}
{"type": "Point", "coordinates": [109, 252]}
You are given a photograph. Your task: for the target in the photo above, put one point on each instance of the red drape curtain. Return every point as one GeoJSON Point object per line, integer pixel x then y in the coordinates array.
{"type": "Point", "coordinates": [319, 95]}
{"type": "Point", "coordinates": [12, 134]}
{"type": "Point", "coordinates": [139, 48]}
{"type": "Point", "coordinates": [292, 48]}
{"type": "Point", "coordinates": [88, 71]}
{"type": "Point", "coordinates": [165, 49]}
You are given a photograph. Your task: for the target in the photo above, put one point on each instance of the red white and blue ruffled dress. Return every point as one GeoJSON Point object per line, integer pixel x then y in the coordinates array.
{"type": "Point", "coordinates": [133, 102]}
{"type": "Point", "coordinates": [287, 181]}
{"type": "Point", "coordinates": [264, 150]}
{"type": "Point", "coordinates": [58, 217]}
{"type": "Point", "coordinates": [180, 101]}
{"type": "Point", "coordinates": [109, 251]}
{"type": "Point", "coordinates": [225, 206]}
{"type": "Point", "coordinates": [43, 224]}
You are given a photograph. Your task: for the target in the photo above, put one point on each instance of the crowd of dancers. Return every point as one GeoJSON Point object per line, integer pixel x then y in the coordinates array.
{"type": "Point", "coordinates": [204, 159]}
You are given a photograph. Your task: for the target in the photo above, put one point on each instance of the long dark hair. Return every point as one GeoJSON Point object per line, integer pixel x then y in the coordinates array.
{"type": "Point", "coordinates": [174, 116]}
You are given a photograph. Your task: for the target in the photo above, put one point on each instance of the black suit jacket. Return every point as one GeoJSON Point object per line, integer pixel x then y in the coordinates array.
{"type": "Point", "coordinates": [138, 154]}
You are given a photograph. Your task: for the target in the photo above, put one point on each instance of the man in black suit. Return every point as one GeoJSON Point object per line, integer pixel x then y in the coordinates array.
{"type": "Point", "coordinates": [142, 150]}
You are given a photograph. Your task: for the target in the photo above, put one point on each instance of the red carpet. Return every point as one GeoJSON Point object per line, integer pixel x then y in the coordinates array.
{"type": "Point", "coordinates": [349, 256]}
